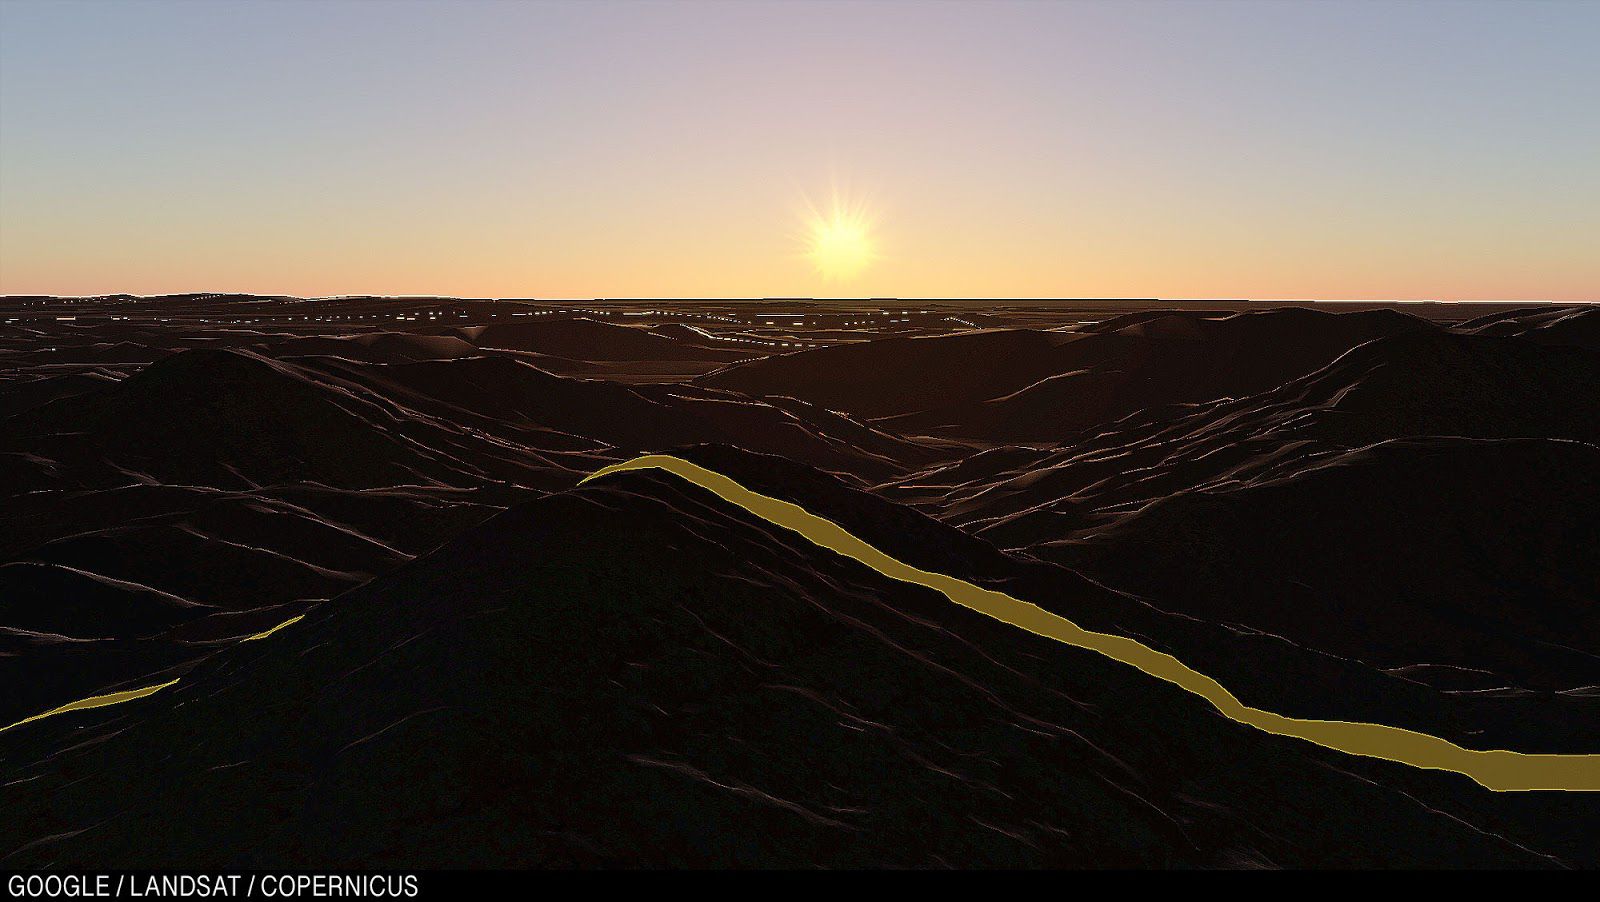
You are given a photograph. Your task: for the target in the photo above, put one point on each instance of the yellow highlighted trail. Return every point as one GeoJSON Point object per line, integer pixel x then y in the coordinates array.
{"type": "Point", "coordinates": [1498, 770]}
{"type": "Point", "coordinates": [263, 635]}
{"type": "Point", "coordinates": [128, 695]}
{"type": "Point", "coordinates": [94, 701]}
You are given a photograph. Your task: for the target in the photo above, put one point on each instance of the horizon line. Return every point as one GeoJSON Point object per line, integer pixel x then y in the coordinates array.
{"type": "Point", "coordinates": [787, 298]}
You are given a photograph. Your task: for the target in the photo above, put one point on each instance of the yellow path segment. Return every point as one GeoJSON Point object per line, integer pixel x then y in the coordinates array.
{"type": "Point", "coordinates": [263, 635]}
{"type": "Point", "coordinates": [1498, 770]}
{"type": "Point", "coordinates": [94, 701]}
{"type": "Point", "coordinates": [128, 695]}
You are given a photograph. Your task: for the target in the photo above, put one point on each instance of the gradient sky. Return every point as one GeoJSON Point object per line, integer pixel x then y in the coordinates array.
{"type": "Point", "coordinates": [497, 148]}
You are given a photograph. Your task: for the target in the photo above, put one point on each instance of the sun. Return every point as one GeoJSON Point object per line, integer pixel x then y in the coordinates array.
{"type": "Point", "coordinates": [840, 247]}
{"type": "Point", "coordinates": [840, 242]}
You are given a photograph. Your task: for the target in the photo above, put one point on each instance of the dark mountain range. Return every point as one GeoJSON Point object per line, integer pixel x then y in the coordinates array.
{"type": "Point", "coordinates": [1373, 516]}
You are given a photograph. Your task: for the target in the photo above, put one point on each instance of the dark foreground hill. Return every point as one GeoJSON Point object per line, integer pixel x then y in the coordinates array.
{"type": "Point", "coordinates": [637, 674]}
{"type": "Point", "coordinates": [218, 490]}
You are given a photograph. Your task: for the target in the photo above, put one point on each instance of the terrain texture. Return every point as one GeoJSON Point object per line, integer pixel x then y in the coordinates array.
{"type": "Point", "coordinates": [347, 537]}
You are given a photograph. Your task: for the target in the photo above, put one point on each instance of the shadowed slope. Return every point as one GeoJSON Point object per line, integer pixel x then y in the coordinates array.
{"type": "Point", "coordinates": [714, 695]}
{"type": "Point", "coordinates": [1470, 559]}
{"type": "Point", "coordinates": [1415, 384]}
{"type": "Point", "coordinates": [896, 375]}
{"type": "Point", "coordinates": [581, 338]}
{"type": "Point", "coordinates": [1494, 769]}
{"type": "Point", "coordinates": [1022, 385]}
{"type": "Point", "coordinates": [224, 418]}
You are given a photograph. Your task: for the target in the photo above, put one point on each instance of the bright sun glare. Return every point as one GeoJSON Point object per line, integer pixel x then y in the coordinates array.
{"type": "Point", "coordinates": [840, 242]}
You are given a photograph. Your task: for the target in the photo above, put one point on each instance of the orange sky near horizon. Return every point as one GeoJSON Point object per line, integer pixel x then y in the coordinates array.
{"type": "Point", "coordinates": [1217, 149]}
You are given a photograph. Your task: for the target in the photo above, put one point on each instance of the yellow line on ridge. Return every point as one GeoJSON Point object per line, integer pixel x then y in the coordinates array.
{"type": "Point", "coordinates": [94, 701]}
{"type": "Point", "coordinates": [1499, 770]}
{"type": "Point", "coordinates": [263, 635]}
{"type": "Point", "coordinates": [128, 695]}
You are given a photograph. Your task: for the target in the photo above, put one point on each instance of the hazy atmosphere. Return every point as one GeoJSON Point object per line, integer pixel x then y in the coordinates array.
{"type": "Point", "coordinates": [1265, 150]}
